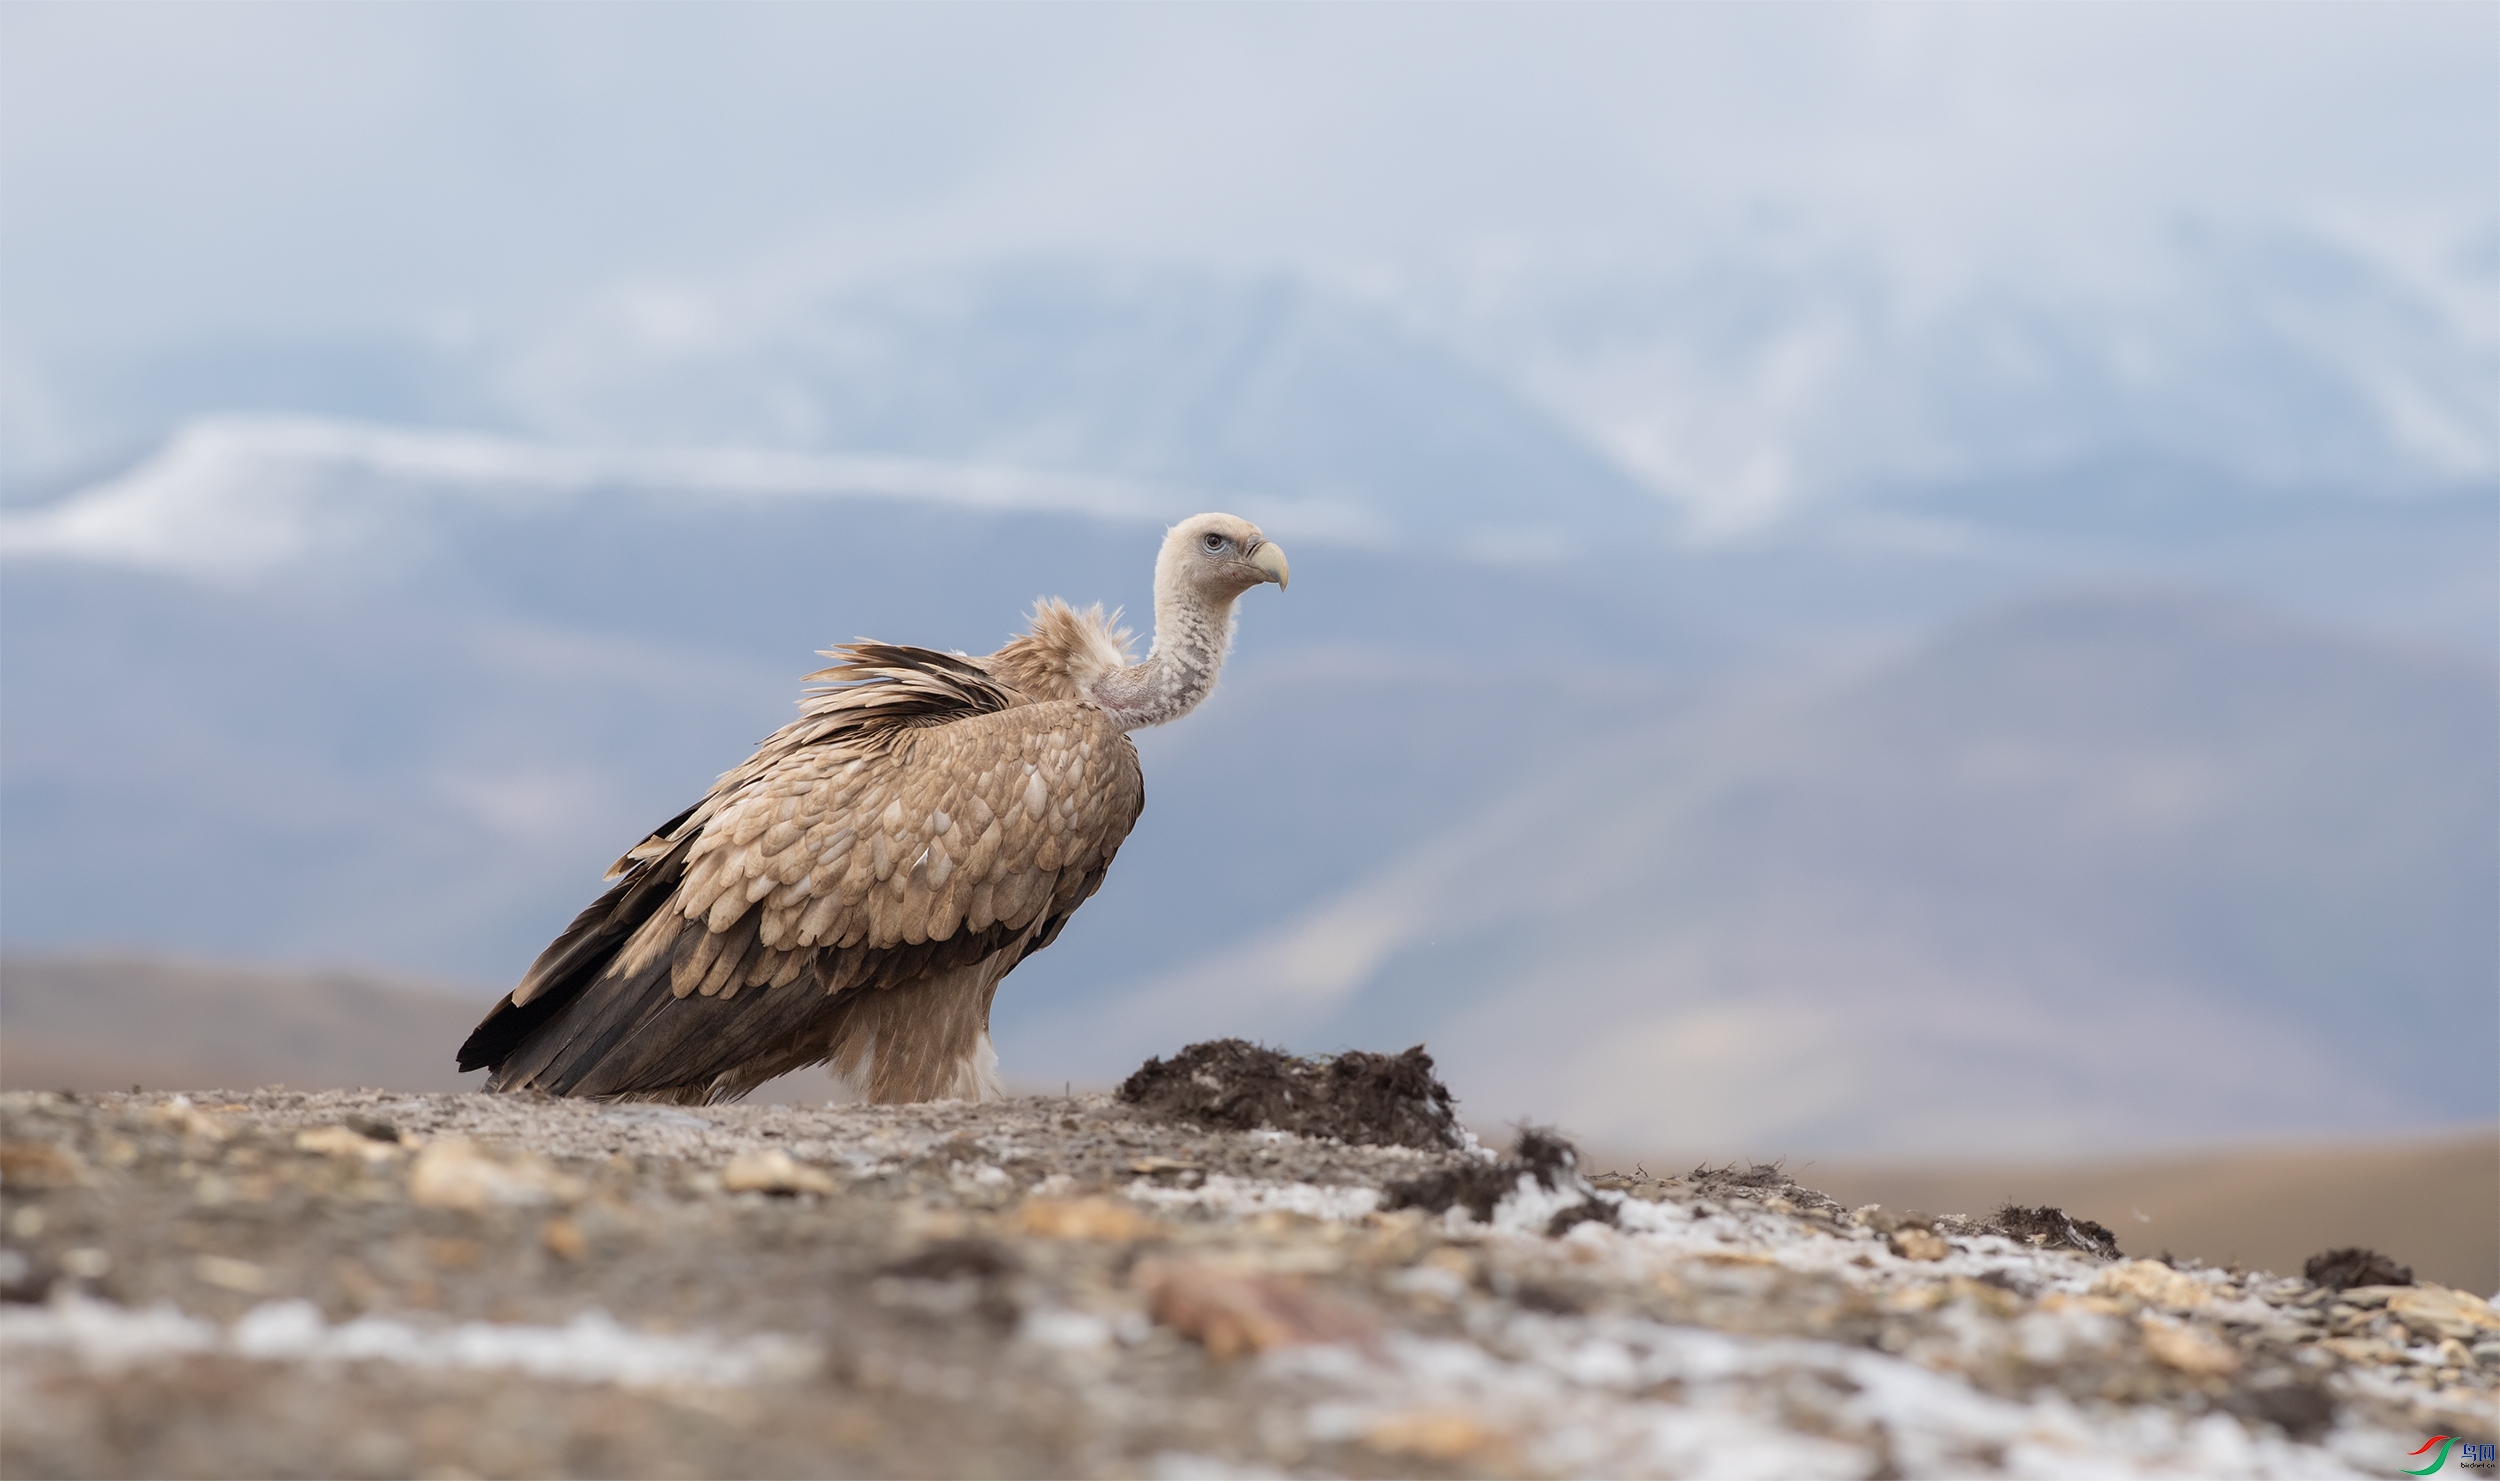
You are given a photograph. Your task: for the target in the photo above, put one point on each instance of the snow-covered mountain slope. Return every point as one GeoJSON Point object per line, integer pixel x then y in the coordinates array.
{"type": "Point", "coordinates": [235, 497]}
{"type": "Point", "coordinates": [1753, 375]}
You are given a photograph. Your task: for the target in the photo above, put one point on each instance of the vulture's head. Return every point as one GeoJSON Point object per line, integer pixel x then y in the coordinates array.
{"type": "Point", "coordinates": [1207, 561]}
{"type": "Point", "coordinates": [1217, 557]}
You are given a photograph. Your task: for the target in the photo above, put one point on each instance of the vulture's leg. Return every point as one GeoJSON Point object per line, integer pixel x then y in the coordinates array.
{"type": "Point", "coordinates": [927, 1041]}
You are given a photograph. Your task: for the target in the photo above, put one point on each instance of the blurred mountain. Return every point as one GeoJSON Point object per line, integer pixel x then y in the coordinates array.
{"type": "Point", "coordinates": [2263, 1207]}
{"type": "Point", "coordinates": [2110, 869]}
{"type": "Point", "coordinates": [1778, 368]}
{"type": "Point", "coordinates": [111, 1021]}
{"type": "Point", "coordinates": [1258, 390]}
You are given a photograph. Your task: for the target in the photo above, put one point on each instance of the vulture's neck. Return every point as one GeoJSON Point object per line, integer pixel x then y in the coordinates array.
{"type": "Point", "coordinates": [1191, 636]}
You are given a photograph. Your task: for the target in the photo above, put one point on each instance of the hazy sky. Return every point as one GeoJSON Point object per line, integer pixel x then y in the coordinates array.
{"type": "Point", "coordinates": [1877, 223]}
{"type": "Point", "coordinates": [172, 169]}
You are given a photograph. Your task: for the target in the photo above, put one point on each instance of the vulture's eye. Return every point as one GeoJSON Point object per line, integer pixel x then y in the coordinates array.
{"type": "Point", "coordinates": [1214, 543]}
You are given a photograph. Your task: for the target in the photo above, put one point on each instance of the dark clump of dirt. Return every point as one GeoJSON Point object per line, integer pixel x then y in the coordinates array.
{"type": "Point", "coordinates": [1587, 1211]}
{"type": "Point", "coordinates": [1756, 1182]}
{"type": "Point", "coordinates": [987, 1264]}
{"type": "Point", "coordinates": [1552, 1162]}
{"type": "Point", "coordinates": [2299, 1406]}
{"type": "Point", "coordinates": [949, 1259]}
{"type": "Point", "coordinates": [1477, 1186]}
{"type": "Point", "coordinates": [1358, 1098]}
{"type": "Point", "coordinates": [2340, 1270]}
{"type": "Point", "coordinates": [372, 1128]}
{"type": "Point", "coordinates": [1555, 1161]}
{"type": "Point", "coordinates": [2054, 1229]}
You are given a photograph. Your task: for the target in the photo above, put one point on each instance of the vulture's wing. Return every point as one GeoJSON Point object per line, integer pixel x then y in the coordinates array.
{"type": "Point", "coordinates": [884, 858]}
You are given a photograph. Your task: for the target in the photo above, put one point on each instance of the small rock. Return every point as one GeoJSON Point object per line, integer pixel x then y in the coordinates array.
{"type": "Point", "coordinates": [232, 1275]}
{"type": "Point", "coordinates": [1441, 1435]}
{"type": "Point", "coordinates": [34, 1165]}
{"type": "Point", "coordinates": [1231, 1312]}
{"type": "Point", "coordinates": [1169, 1170]}
{"type": "Point", "coordinates": [1918, 1244]}
{"type": "Point", "coordinates": [2185, 1348]}
{"type": "Point", "coordinates": [2154, 1284]}
{"type": "Point", "coordinates": [2435, 1312]}
{"type": "Point", "coordinates": [341, 1141]}
{"type": "Point", "coordinates": [1890, 1221]}
{"type": "Point", "coordinates": [773, 1171]}
{"type": "Point", "coordinates": [189, 1120]}
{"type": "Point", "coordinates": [563, 1239]}
{"type": "Point", "coordinates": [1084, 1218]}
{"type": "Point", "coordinates": [458, 1174]}
{"type": "Point", "coordinates": [2364, 1351]}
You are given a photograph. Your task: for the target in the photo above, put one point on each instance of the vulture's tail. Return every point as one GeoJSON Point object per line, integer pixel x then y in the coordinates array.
{"type": "Point", "coordinates": [584, 1027]}
{"type": "Point", "coordinates": [625, 1033]}
{"type": "Point", "coordinates": [593, 1025]}
{"type": "Point", "coordinates": [571, 963]}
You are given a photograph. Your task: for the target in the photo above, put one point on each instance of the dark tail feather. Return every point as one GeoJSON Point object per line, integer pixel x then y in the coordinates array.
{"type": "Point", "coordinates": [572, 961]}
{"type": "Point", "coordinates": [631, 1035]}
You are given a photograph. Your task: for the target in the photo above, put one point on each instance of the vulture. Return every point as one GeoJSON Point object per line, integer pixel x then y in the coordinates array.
{"type": "Point", "coordinates": [854, 892]}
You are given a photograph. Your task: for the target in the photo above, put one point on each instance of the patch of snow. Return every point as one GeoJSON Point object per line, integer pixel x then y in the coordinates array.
{"type": "Point", "coordinates": [1533, 1206]}
{"type": "Point", "coordinates": [1065, 1330]}
{"type": "Point", "coordinates": [103, 1336]}
{"type": "Point", "coordinates": [1583, 1396]}
{"type": "Point", "coordinates": [592, 1348]}
{"type": "Point", "coordinates": [1240, 1197]}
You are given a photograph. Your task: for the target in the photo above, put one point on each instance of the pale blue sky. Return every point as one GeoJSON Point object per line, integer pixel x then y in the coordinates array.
{"type": "Point", "coordinates": [210, 165]}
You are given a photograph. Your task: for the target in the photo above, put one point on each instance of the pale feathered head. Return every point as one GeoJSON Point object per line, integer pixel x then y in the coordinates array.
{"type": "Point", "coordinates": [1206, 562]}
{"type": "Point", "coordinates": [1215, 558]}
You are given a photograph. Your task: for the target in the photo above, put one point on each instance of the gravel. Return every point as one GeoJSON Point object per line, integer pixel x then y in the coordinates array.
{"type": "Point", "coordinates": [360, 1283]}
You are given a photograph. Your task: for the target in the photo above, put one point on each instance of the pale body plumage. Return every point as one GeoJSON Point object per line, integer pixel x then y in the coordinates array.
{"type": "Point", "coordinates": [855, 891]}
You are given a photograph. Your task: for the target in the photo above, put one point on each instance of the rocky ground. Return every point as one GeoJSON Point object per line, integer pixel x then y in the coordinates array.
{"type": "Point", "coordinates": [358, 1283]}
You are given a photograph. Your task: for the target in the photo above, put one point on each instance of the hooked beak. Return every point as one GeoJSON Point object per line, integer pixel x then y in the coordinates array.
{"type": "Point", "coordinates": [1270, 557]}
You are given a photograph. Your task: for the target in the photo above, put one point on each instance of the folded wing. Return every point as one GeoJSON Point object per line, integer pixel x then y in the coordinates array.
{"type": "Point", "coordinates": [853, 892]}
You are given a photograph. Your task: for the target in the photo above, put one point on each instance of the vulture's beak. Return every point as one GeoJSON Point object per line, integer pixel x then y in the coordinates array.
{"type": "Point", "coordinates": [1270, 557]}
